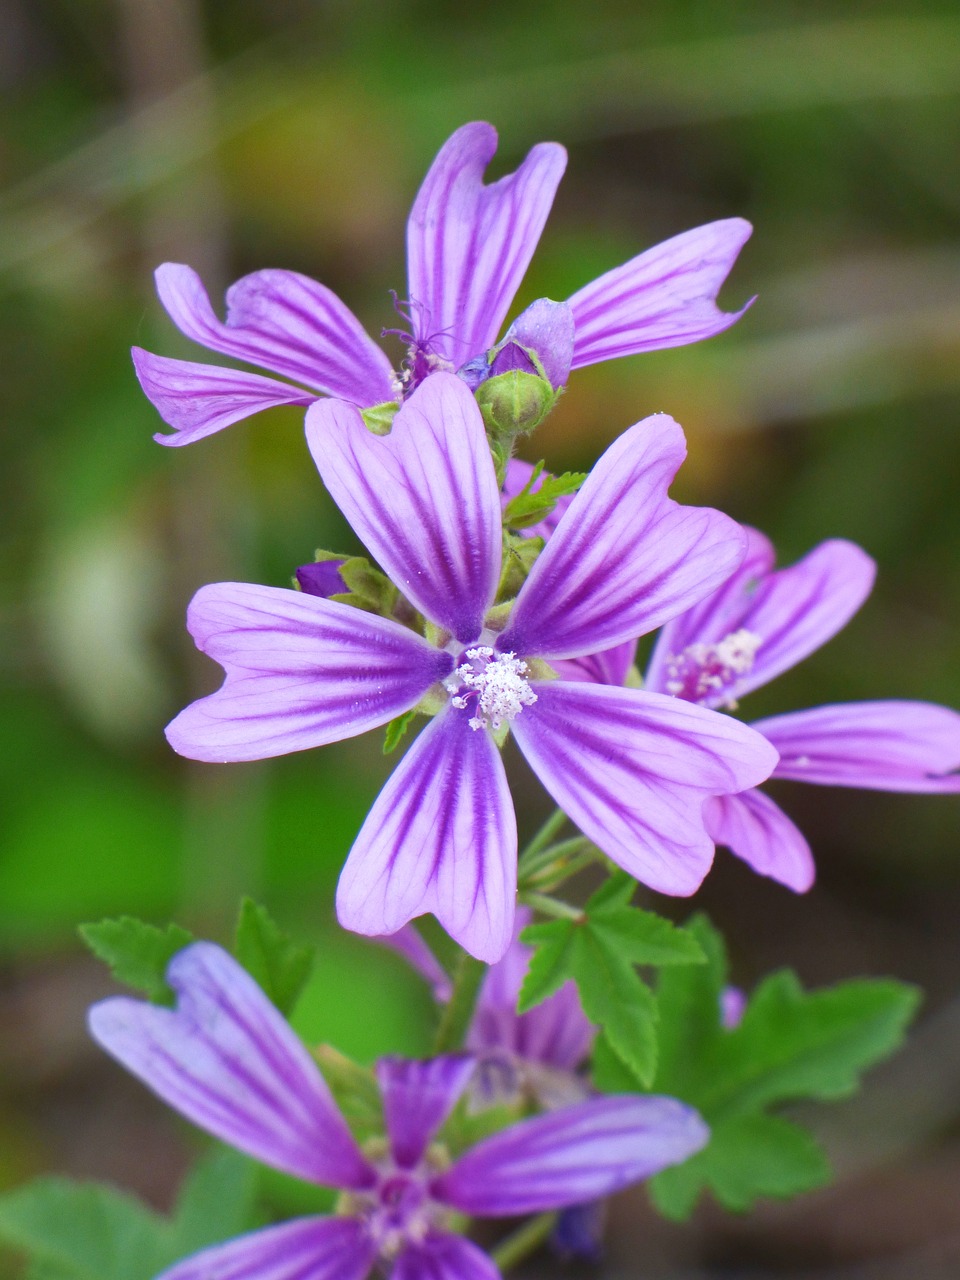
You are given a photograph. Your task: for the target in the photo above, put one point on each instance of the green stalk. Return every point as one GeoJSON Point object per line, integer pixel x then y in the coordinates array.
{"type": "Point", "coordinates": [543, 837]}
{"type": "Point", "coordinates": [524, 1241]}
{"type": "Point", "coordinates": [459, 1009]}
{"type": "Point", "coordinates": [548, 906]}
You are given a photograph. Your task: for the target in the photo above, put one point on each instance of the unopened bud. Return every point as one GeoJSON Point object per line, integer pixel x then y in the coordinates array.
{"type": "Point", "coordinates": [514, 403]}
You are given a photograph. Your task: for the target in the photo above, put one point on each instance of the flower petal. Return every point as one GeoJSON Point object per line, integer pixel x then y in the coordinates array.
{"type": "Point", "coordinates": [441, 837]}
{"type": "Point", "coordinates": [885, 746]}
{"type": "Point", "coordinates": [716, 617]}
{"type": "Point", "coordinates": [300, 672]}
{"type": "Point", "coordinates": [284, 322]}
{"type": "Point", "coordinates": [198, 400]}
{"type": "Point", "coordinates": [610, 666]}
{"type": "Point", "coordinates": [757, 830]}
{"type": "Point", "coordinates": [417, 1099]}
{"type": "Point", "coordinates": [631, 769]}
{"type": "Point", "coordinates": [665, 297]}
{"type": "Point", "coordinates": [228, 1061]}
{"type": "Point", "coordinates": [468, 245]}
{"type": "Point", "coordinates": [423, 499]}
{"type": "Point", "coordinates": [624, 557]}
{"type": "Point", "coordinates": [318, 1248]}
{"type": "Point", "coordinates": [546, 328]}
{"type": "Point", "coordinates": [444, 1257]}
{"type": "Point", "coordinates": [578, 1153]}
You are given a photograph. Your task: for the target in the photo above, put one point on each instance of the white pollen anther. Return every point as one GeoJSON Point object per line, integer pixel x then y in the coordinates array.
{"type": "Point", "coordinates": [494, 684]}
{"type": "Point", "coordinates": [709, 672]}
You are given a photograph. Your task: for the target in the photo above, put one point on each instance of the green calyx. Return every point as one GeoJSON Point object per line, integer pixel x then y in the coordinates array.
{"type": "Point", "coordinates": [379, 417]}
{"type": "Point", "coordinates": [514, 403]}
{"type": "Point", "coordinates": [367, 588]}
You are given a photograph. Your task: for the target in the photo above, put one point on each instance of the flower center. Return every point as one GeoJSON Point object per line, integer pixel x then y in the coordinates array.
{"type": "Point", "coordinates": [493, 685]}
{"type": "Point", "coordinates": [396, 1212]}
{"type": "Point", "coordinates": [421, 360]}
{"type": "Point", "coordinates": [707, 673]}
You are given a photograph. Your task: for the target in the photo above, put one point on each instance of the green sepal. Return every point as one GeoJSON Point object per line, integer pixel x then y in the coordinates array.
{"type": "Point", "coordinates": [528, 508]}
{"type": "Point", "coordinates": [280, 965]}
{"type": "Point", "coordinates": [379, 417]}
{"type": "Point", "coordinates": [519, 557]}
{"type": "Point", "coordinates": [354, 1089]}
{"type": "Point", "coordinates": [514, 403]}
{"type": "Point", "coordinates": [137, 953]}
{"type": "Point", "coordinates": [393, 734]}
{"type": "Point", "coordinates": [367, 588]}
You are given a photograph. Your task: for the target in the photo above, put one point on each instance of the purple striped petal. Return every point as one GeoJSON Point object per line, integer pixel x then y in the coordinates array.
{"type": "Point", "coordinates": [885, 746]}
{"type": "Point", "coordinates": [423, 499]}
{"type": "Point", "coordinates": [468, 245]}
{"type": "Point", "coordinates": [719, 615]}
{"type": "Point", "coordinates": [757, 830]}
{"type": "Point", "coordinates": [305, 1249]}
{"type": "Point", "coordinates": [284, 322]}
{"type": "Point", "coordinates": [611, 666]}
{"type": "Point", "coordinates": [407, 942]}
{"type": "Point", "coordinates": [228, 1061]}
{"type": "Point", "coordinates": [444, 1257]}
{"type": "Point", "coordinates": [665, 297]}
{"type": "Point", "coordinates": [300, 672]}
{"type": "Point", "coordinates": [632, 769]}
{"type": "Point", "coordinates": [441, 837]}
{"type": "Point", "coordinates": [624, 557]}
{"type": "Point", "coordinates": [579, 1153]}
{"type": "Point", "coordinates": [198, 400]}
{"type": "Point", "coordinates": [417, 1098]}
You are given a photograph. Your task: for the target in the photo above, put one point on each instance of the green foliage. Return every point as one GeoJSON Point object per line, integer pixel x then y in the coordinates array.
{"type": "Point", "coordinates": [87, 1231]}
{"type": "Point", "coordinates": [137, 953]}
{"type": "Point", "coordinates": [280, 965]}
{"type": "Point", "coordinates": [355, 1089]}
{"type": "Point", "coordinates": [529, 506]}
{"type": "Point", "coordinates": [600, 950]}
{"type": "Point", "coordinates": [396, 728]}
{"type": "Point", "coordinates": [790, 1045]}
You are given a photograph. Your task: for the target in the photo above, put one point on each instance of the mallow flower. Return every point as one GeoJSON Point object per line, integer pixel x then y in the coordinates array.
{"type": "Point", "coordinates": [468, 246]}
{"type": "Point", "coordinates": [228, 1061]}
{"type": "Point", "coordinates": [630, 768]}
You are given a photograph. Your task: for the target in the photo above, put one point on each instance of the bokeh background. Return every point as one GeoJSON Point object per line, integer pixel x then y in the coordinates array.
{"type": "Point", "coordinates": [294, 133]}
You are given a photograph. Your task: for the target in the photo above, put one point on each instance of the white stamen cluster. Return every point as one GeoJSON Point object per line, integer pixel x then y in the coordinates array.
{"type": "Point", "coordinates": [496, 684]}
{"type": "Point", "coordinates": [702, 672]}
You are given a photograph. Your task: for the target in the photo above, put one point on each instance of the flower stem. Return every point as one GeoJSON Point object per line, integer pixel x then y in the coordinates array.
{"type": "Point", "coordinates": [552, 906]}
{"type": "Point", "coordinates": [524, 1241]}
{"type": "Point", "coordinates": [543, 837]}
{"type": "Point", "coordinates": [456, 1017]}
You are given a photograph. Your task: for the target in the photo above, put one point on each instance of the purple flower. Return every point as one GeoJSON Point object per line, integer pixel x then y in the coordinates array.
{"type": "Point", "coordinates": [760, 623]}
{"type": "Point", "coordinates": [630, 768]}
{"type": "Point", "coordinates": [468, 246]}
{"type": "Point", "coordinates": [228, 1061]}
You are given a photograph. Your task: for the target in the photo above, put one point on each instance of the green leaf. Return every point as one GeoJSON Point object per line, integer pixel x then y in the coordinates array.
{"type": "Point", "coordinates": [137, 953]}
{"type": "Point", "coordinates": [395, 730]}
{"type": "Point", "coordinates": [615, 997]}
{"type": "Point", "coordinates": [551, 964]}
{"type": "Point", "coordinates": [280, 966]}
{"type": "Point", "coordinates": [747, 1157]}
{"type": "Point", "coordinates": [216, 1202]}
{"type": "Point", "coordinates": [83, 1231]}
{"type": "Point", "coordinates": [529, 507]}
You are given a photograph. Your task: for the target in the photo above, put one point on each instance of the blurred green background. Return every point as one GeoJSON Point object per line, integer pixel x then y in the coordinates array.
{"type": "Point", "coordinates": [289, 133]}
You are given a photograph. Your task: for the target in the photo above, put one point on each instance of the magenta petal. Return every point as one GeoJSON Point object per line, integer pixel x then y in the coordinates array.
{"type": "Point", "coordinates": [610, 666]}
{"type": "Point", "coordinates": [624, 557]}
{"type": "Point", "coordinates": [716, 617]}
{"type": "Point", "coordinates": [423, 499]}
{"type": "Point", "coordinates": [300, 672]}
{"type": "Point", "coordinates": [318, 1248]}
{"type": "Point", "coordinates": [441, 837]}
{"type": "Point", "coordinates": [662, 298]}
{"type": "Point", "coordinates": [632, 769]}
{"type": "Point", "coordinates": [444, 1257]}
{"type": "Point", "coordinates": [468, 245]}
{"type": "Point", "coordinates": [198, 400]}
{"type": "Point", "coordinates": [757, 830]}
{"type": "Point", "coordinates": [284, 322]}
{"type": "Point", "coordinates": [578, 1153]}
{"type": "Point", "coordinates": [228, 1061]}
{"type": "Point", "coordinates": [417, 1099]}
{"type": "Point", "coordinates": [885, 746]}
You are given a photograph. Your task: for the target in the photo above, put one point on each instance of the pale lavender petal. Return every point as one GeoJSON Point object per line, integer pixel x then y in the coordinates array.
{"type": "Point", "coordinates": [322, 578]}
{"type": "Point", "coordinates": [611, 666]}
{"type": "Point", "coordinates": [300, 672]}
{"type": "Point", "coordinates": [441, 837]}
{"type": "Point", "coordinates": [409, 943]}
{"type": "Point", "coordinates": [545, 327]}
{"type": "Point", "coordinates": [424, 499]}
{"type": "Point", "coordinates": [228, 1061]}
{"type": "Point", "coordinates": [624, 557]}
{"type": "Point", "coordinates": [665, 297]}
{"type": "Point", "coordinates": [757, 830]}
{"type": "Point", "coordinates": [632, 769]}
{"type": "Point", "coordinates": [578, 1153]}
{"type": "Point", "coordinates": [444, 1257]}
{"type": "Point", "coordinates": [719, 615]}
{"type": "Point", "coordinates": [305, 1249]}
{"type": "Point", "coordinates": [886, 746]}
{"type": "Point", "coordinates": [417, 1098]}
{"type": "Point", "coordinates": [518, 477]}
{"type": "Point", "coordinates": [733, 1005]}
{"type": "Point", "coordinates": [284, 322]}
{"type": "Point", "coordinates": [198, 400]}
{"type": "Point", "coordinates": [468, 245]}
